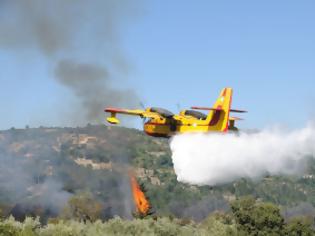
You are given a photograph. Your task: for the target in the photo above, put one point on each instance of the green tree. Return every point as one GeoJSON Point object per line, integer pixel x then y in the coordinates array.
{"type": "Point", "coordinates": [83, 207]}
{"type": "Point", "coordinates": [219, 223]}
{"type": "Point", "coordinates": [257, 218]}
{"type": "Point", "coordinates": [299, 226]}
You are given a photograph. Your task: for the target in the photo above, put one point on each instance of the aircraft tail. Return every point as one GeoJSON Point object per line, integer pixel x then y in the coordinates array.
{"type": "Point", "coordinates": [218, 117]}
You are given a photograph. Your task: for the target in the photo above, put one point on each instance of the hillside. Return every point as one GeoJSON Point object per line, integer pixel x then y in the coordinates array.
{"type": "Point", "coordinates": [51, 171]}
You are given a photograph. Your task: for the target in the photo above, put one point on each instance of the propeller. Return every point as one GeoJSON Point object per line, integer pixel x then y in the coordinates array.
{"type": "Point", "coordinates": [143, 107]}
{"type": "Point", "coordinates": [178, 107]}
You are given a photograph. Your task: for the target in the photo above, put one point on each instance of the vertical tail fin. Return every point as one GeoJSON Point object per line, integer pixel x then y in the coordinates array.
{"type": "Point", "coordinates": [218, 117]}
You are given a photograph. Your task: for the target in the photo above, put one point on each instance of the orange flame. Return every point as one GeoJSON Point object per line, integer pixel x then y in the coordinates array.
{"type": "Point", "coordinates": [141, 202]}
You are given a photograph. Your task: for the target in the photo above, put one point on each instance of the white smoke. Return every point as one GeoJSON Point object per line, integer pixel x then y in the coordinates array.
{"type": "Point", "coordinates": [211, 159]}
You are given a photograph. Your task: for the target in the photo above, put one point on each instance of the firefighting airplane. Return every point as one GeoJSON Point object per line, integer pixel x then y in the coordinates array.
{"type": "Point", "coordinates": [163, 123]}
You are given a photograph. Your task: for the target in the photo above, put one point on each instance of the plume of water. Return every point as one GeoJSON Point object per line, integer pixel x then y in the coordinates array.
{"type": "Point", "coordinates": [212, 159]}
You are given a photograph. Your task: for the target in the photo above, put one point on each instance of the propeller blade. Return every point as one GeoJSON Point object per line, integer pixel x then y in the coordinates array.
{"type": "Point", "coordinates": [142, 105]}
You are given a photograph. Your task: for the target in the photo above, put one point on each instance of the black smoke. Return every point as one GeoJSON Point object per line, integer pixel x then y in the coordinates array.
{"type": "Point", "coordinates": [82, 40]}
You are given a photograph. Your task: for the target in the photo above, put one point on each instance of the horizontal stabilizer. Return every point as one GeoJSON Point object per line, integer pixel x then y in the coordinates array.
{"type": "Point", "coordinates": [235, 118]}
{"type": "Point", "coordinates": [207, 108]}
{"type": "Point", "coordinates": [216, 109]}
{"type": "Point", "coordinates": [238, 111]}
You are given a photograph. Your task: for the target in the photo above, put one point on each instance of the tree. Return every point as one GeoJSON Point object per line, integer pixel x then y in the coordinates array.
{"type": "Point", "coordinates": [299, 226]}
{"type": "Point", "coordinates": [257, 218]}
{"type": "Point", "coordinates": [83, 207]}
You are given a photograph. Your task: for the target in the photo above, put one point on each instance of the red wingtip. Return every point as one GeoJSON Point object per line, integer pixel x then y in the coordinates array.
{"type": "Point", "coordinates": [112, 109]}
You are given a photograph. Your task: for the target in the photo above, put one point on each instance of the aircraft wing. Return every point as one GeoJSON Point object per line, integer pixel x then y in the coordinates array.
{"type": "Point", "coordinates": [137, 112]}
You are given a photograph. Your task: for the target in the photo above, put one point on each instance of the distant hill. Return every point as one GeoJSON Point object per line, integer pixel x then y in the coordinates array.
{"type": "Point", "coordinates": [42, 169]}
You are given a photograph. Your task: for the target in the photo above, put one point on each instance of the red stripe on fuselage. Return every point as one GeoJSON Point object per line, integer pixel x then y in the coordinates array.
{"type": "Point", "coordinates": [227, 123]}
{"type": "Point", "coordinates": [158, 135]}
{"type": "Point", "coordinates": [158, 124]}
{"type": "Point", "coordinates": [216, 117]}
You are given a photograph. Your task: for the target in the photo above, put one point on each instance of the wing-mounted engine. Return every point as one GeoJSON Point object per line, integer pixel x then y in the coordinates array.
{"type": "Point", "coordinates": [163, 112]}
{"type": "Point", "coordinates": [196, 114]}
{"type": "Point", "coordinates": [167, 115]}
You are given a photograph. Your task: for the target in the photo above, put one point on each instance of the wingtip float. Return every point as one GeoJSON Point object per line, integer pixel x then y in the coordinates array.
{"type": "Point", "coordinates": [163, 123]}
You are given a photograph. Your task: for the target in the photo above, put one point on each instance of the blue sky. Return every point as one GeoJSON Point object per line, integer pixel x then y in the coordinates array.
{"type": "Point", "coordinates": [185, 52]}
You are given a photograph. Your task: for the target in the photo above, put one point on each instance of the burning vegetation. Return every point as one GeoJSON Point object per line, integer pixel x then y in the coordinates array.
{"type": "Point", "coordinates": [142, 204]}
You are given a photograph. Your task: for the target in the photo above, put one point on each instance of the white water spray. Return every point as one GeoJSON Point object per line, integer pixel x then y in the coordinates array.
{"type": "Point", "coordinates": [211, 159]}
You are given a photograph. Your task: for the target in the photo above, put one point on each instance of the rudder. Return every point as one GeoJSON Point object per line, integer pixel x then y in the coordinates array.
{"type": "Point", "coordinates": [218, 117]}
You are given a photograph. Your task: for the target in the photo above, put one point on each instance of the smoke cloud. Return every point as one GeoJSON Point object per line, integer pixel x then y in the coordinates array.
{"type": "Point", "coordinates": [88, 32]}
{"type": "Point", "coordinates": [25, 183]}
{"type": "Point", "coordinates": [212, 159]}
{"type": "Point", "coordinates": [90, 83]}
{"type": "Point", "coordinates": [199, 210]}
{"type": "Point", "coordinates": [54, 26]}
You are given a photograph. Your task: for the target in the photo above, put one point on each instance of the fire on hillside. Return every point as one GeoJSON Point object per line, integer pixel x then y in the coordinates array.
{"type": "Point", "coordinates": [142, 204]}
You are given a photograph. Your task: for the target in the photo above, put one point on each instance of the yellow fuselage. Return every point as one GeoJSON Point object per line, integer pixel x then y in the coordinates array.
{"type": "Point", "coordinates": [165, 128]}
{"type": "Point", "coordinates": [163, 123]}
